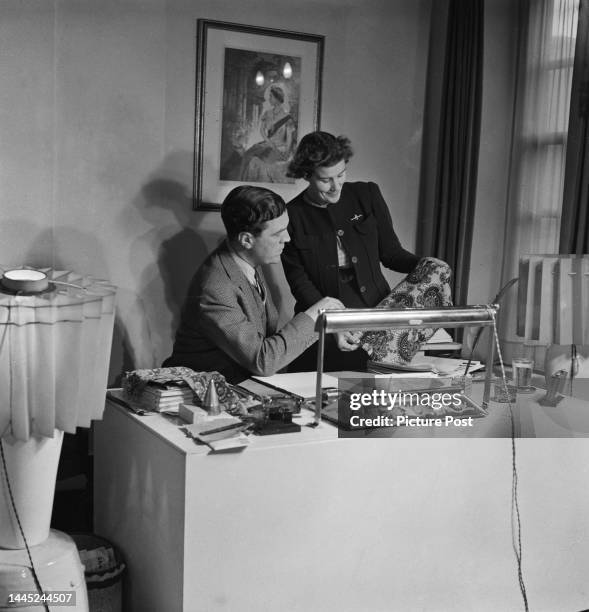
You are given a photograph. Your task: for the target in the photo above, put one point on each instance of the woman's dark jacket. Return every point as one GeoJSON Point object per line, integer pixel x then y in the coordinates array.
{"type": "Point", "coordinates": [363, 222]}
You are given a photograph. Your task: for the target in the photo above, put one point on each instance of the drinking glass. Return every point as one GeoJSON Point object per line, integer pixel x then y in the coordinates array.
{"type": "Point", "coordinates": [522, 374]}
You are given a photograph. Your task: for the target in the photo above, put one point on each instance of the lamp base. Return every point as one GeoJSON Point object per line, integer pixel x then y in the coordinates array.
{"type": "Point", "coordinates": [31, 467]}
{"type": "Point", "coordinates": [59, 571]}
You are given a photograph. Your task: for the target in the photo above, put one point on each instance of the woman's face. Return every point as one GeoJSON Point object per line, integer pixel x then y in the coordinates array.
{"type": "Point", "coordinates": [325, 185]}
{"type": "Point", "coordinates": [274, 101]}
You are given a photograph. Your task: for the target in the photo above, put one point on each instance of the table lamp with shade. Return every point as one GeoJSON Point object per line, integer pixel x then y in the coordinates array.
{"type": "Point", "coordinates": [368, 319]}
{"type": "Point", "coordinates": [553, 311]}
{"type": "Point", "coordinates": [55, 338]}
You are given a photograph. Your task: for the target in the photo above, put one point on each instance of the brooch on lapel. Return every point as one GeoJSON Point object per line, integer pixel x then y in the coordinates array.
{"type": "Point", "coordinates": [356, 217]}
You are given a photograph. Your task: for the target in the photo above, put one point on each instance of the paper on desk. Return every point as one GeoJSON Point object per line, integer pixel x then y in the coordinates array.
{"type": "Point", "coordinates": [440, 336]}
{"type": "Point", "coordinates": [397, 374]}
{"type": "Point", "coordinates": [447, 366]}
{"type": "Point", "coordinates": [220, 436]}
{"type": "Point", "coordinates": [425, 367]}
{"type": "Point", "coordinates": [302, 384]}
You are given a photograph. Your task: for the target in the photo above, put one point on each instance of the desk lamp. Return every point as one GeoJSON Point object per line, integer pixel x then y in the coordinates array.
{"type": "Point", "coordinates": [365, 319]}
{"type": "Point", "coordinates": [55, 339]}
{"type": "Point", "coordinates": [553, 310]}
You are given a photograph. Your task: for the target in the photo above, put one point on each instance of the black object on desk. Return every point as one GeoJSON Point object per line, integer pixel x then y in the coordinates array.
{"type": "Point", "coordinates": [272, 427]}
{"type": "Point", "coordinates": [274, 416]}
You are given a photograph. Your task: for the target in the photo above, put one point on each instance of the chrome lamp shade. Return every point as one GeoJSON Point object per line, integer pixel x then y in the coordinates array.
{"type": "Point", "coordinates": [331, 321]}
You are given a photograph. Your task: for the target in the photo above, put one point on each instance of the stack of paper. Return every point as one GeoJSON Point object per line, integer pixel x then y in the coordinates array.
{"type": "Point", "coordinates": [220, 432]}
{"type": "Point", "coordinates": [426, 366]}
{"type": "Point", "coordinates": [405, 370]}
{"type": "Point", "coordinates": [165, 398]}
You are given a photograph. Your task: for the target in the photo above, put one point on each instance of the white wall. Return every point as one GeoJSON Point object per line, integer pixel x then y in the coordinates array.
{"type": "Point", "coordinates": [97, 136]}
{"type": "Point", "coordinates": [96, 153]}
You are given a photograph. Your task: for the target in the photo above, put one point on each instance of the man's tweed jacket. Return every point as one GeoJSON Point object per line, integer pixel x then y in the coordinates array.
{"type": "Point", "coordinates": [226, 327]}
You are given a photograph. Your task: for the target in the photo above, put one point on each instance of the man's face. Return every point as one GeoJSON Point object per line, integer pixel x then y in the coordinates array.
{"type": "Point", "coordinates": [325, 186]}
{"type": "Point", "coordinates": [269, 243]}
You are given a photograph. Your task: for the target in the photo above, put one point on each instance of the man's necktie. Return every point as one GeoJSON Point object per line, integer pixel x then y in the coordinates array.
{"type": "Point", "coordinates": [260, 286]}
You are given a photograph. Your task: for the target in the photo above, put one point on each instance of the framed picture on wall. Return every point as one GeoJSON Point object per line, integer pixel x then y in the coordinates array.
{"type": "Point", "coordinates": [258, 91]}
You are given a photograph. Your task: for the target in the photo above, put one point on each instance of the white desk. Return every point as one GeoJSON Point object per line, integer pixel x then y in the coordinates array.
{"type": "Point", "coordinates": [309, 522]}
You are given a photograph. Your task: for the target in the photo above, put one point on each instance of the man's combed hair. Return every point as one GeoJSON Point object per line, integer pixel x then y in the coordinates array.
{"type": "Point", "coordinates": [319, 150]}
{"type": "Point", "coordinates": [247, 208]}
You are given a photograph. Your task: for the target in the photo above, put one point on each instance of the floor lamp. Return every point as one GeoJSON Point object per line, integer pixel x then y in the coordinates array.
{"type": "Point", "coordinates": [55, 339]}
{"type": "Point", "coordinates": [553, 310]}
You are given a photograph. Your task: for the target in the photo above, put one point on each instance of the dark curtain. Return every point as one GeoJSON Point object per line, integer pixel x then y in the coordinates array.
{"type": "Point", "coordinates": [574, 223]}
{"type": "Point", "coordinates": [447, 215]}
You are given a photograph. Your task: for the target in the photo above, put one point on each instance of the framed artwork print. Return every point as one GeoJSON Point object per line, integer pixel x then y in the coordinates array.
{"type": "Point", "coordinates": [258, 91]}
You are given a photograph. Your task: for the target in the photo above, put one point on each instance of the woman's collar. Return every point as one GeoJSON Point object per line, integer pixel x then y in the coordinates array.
{"type": "Point", "coordinates": [308, 200]}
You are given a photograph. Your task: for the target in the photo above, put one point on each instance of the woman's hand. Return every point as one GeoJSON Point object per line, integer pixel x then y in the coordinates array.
{"type": "Point", "coordinates": [326, 303]}
{"type": "Point", "coordinates": [348, 341]}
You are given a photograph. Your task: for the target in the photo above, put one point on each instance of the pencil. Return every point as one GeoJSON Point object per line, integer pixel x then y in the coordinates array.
{"type": "Point", "coordinates": [220, 429]}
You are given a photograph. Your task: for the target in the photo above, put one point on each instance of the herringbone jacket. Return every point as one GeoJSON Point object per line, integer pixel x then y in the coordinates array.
{"type": "Point", "coordinates": [226, 327]}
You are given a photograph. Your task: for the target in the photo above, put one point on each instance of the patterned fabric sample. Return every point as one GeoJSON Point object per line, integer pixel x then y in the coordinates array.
{"type": "Point", "coordinates": [428, 286]}
{"type": "Point", "coordinates": [136, 381]}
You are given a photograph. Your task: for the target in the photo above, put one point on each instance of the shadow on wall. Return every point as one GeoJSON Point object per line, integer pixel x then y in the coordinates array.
{"type": "Point", "coordinates": [121, 358]}
{"type": "Point", "coordinates": [24, 244]}
{"type": "Point", "coordinates": [180, 253]}
{"type": "Point", "coordinates": [89, 258]}
{"type": "Point", "coordinates": [168, 255]}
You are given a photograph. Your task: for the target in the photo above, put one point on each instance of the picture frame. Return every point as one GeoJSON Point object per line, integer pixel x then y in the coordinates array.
{"type": "Point", "coordinates": [258, 91]}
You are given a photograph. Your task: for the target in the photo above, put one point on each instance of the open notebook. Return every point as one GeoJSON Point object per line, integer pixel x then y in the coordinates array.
{"type": "Point", "coordinates": [301, 384]}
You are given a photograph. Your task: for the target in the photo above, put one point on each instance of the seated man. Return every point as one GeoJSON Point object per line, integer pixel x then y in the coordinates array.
{"type": "Point", "coordinates": [229, 322]}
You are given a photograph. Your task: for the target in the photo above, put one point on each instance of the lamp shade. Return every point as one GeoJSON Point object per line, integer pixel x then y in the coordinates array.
{"type": "Point", "coordinates": [54, 354]}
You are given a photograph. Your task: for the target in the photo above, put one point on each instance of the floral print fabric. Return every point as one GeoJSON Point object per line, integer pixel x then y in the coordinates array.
{"type": "Point", "coordinates": [427, 286]}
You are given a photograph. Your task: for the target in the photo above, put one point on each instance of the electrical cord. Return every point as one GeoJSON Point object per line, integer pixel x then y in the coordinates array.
{"type": "Point", "coordinates": [516, 527]}
{"type": "Point", "coordinates": [477, 337]}
{"type": "Point", "coordinates": [20, 527]}
{"type": "Point", "coordinates": [8, 485]}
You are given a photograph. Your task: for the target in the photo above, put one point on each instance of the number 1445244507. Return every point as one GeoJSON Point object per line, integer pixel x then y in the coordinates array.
{"type": "Point", "coordinates": [35, 598]}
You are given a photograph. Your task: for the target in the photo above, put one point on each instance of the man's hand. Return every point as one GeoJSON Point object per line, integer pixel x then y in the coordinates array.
{"type": "Point", "coordinates": [348, 341]}
{"type": "Point", "coordinates": [326, 303]}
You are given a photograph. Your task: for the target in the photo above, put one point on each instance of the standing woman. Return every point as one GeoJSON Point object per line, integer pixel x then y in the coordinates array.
{"type": "Point", "coordinates": [340, 234]}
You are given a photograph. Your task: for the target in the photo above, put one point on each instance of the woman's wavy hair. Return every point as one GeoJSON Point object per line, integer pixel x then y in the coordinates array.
{"type": "Point", "coordinates": [246, 208]}
{"type": "Point", "coordinates": [319, 150]}
{"type": "Point", "coordinates": [277, 92]}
